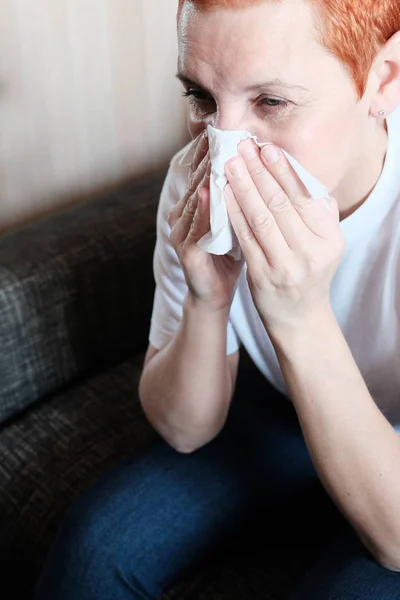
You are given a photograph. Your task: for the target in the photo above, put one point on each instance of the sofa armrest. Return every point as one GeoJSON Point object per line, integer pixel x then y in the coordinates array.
{"type": "Point", "coordinates": [76, 293]}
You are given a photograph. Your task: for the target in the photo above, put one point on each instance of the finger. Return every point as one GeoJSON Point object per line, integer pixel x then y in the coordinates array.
{"type": "Point", "coordinates": [197, 178]}
{"type": "Point", "coordinates": [181, 230]}
{"type": "Point", "coordinates": [313, 212]}
{"type": "Point", "coordinates": [257, 221]}
{"type": "Point", "coordinates": [201, 151]}
{"type": "Point", "coordinates": [290, 223]}
{"type": "Point", "coordinates": [253, 253]}
{"type": "Point", "coordinates": [201, 221]}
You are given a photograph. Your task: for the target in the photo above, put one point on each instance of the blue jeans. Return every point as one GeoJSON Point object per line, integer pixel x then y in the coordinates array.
{"type": "Point", "coordinates": [150, 521]}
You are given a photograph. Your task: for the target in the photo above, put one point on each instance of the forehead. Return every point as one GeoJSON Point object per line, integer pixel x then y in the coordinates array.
{"type": "Point", "coordinates": [242, 43]}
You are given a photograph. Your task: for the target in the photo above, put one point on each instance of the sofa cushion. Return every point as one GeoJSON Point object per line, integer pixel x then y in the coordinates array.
{"type": "Point", "coordinates": [76, 293]}
{"type": "Point", "coordinates": [53, 452]}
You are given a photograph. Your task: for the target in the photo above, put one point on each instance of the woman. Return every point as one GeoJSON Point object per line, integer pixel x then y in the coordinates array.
{"type": "Point", "coordinates": [319, 317]}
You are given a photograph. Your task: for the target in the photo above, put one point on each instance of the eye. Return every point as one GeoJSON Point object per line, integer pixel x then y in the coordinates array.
{"type": "Point", "coordinates": [198, 95]}
{"type": "Point", "coordinates": [273, 102]}
{"type": "Point", "coordinates": [201, 103]}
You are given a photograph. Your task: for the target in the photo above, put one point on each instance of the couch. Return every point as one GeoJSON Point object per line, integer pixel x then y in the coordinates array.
{"type": "Point", "coordinates": [76, 294]}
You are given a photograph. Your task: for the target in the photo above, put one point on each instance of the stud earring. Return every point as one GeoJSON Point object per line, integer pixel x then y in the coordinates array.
{"type": "Point", "coordinates": [382, 113]}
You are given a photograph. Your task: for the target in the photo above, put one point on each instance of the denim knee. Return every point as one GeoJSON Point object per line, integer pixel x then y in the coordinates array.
{"type": "Point", "coordinates": [89, 559]}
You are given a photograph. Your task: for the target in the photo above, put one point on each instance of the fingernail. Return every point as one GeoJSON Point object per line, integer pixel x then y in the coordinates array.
{"type": "Point", "coordinates": [270, 154]}
{"type": "Point", "coordinates": [328, 203]}
{"type": "Point", "coordinates": [235, 167]}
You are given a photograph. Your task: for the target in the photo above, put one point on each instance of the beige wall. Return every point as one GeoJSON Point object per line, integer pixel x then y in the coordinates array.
{"type": "Point", "coordinates": [87, 98]}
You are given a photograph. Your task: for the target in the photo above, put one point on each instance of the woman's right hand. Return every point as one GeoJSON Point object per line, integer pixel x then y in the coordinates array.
{"type": "Point", "coordinates": [211, 279]}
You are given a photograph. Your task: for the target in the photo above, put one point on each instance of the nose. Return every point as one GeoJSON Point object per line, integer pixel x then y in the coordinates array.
{"type": "Point", "coordinates": [230, 116]}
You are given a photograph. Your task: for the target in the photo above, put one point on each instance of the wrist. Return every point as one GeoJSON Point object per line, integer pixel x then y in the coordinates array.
{"type": "Point", "coordinates": [205, 309]}
{"type": "Point", "coordinates": [203, 327]}
{"type": "Point", "coordinates": [300, 337]}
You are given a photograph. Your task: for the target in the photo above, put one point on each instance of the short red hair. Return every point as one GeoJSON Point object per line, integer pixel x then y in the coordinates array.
{"type": "Point", "coordinates": [353, 30]}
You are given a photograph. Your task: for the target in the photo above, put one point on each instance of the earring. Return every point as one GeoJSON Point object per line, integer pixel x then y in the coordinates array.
{"type": "Point", "coordinates": [382, 113]}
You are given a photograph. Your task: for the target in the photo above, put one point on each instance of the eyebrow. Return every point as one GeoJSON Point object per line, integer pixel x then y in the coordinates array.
{"type": "Point", "coordinates": [252, 88]}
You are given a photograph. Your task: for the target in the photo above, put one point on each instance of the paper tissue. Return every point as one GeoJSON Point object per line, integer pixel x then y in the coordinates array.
{"type": "Point", "coordinates": [221, 238]}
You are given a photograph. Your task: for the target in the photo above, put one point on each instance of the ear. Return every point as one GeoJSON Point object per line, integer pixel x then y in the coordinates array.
{"type": "Point", "coordinates": [385, 78]}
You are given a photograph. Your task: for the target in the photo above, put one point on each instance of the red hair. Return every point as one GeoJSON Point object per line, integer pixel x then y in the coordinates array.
{"type": "Point", "coordinates": [353, 30]}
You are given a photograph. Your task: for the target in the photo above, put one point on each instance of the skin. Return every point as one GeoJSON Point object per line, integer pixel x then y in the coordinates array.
{"type": "Point", "coordinates": [314, 113]}
{"type": "Point", "coordinates": [291, 244]}
{"type": "Point", "coordinates": [324, 126]}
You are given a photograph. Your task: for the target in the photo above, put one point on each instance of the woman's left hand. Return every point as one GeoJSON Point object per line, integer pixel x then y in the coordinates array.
{"type": "Point", "coordinates": [292, 244]}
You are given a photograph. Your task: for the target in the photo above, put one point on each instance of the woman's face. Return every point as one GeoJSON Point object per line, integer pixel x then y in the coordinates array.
{"type": "Point", "coordinates": [262, 69]}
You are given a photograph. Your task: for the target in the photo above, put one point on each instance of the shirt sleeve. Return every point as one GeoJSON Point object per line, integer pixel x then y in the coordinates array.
{"type": "Point", "coordinates": [171, 288]}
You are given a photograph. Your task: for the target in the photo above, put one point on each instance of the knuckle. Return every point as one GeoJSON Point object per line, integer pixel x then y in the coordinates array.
{"type": "Point", "coordinates": [192, 183]}
{"type": "Point", "coordinates": [195, 218]}
{"type": "Point", "coordinates": [194, 226]}
{"type": "Point", "coordinates": [261, 222]}
{"type": "Point", "coordinates": [245, 234]}
{"type": "Point", "coordinates": [200, 150]}
{"type": "Point", "coordinates": [197, 176]}
{"type": "Point", "coordinates": [257, 169]}
{"type": "Point", "coordinates": [191, 205]}
{"type": "Point", "coordinates": [279, 202]}
{"type": "Point", "coordinates": [283, 169]}
{"type": "Point", "coordinates": [302, 201]}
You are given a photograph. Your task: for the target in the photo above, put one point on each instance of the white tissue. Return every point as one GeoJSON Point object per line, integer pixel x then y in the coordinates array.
{"type": "Point", "coordinates": [221, 238]}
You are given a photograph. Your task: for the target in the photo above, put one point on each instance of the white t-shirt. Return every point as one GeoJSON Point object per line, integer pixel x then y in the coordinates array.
{"type": "Point", "coordinates": [365, 292]}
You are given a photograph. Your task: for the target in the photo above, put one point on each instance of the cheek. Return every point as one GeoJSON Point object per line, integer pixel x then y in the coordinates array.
{"type": "Point", "coordinates": [194, 128]}
{"type": "Point", "coordinates": [195, 124]}
{"type": "Point", "coordinates": [324, 148]}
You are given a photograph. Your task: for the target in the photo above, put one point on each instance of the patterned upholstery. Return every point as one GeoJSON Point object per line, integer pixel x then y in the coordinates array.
{"type": "Point", "coordinates": [52, 453]}
{"type": "Point", "coordinates": [75, 293]}
{"type": "Point", "coordinates": [75, 299]}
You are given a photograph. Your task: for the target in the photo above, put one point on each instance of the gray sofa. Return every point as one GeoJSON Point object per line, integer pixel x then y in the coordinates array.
{"type": "Point", "coordinates": [76, 294]}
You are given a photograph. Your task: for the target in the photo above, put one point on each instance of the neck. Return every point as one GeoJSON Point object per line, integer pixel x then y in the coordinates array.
{"type": "Point", "coordinates": [360, 181]}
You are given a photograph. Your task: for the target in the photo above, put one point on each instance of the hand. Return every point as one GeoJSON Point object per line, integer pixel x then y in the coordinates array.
{"type": "Point", "coordinates": [211, 279]}
{"type": "Point", "coordinates": [291, 243]}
